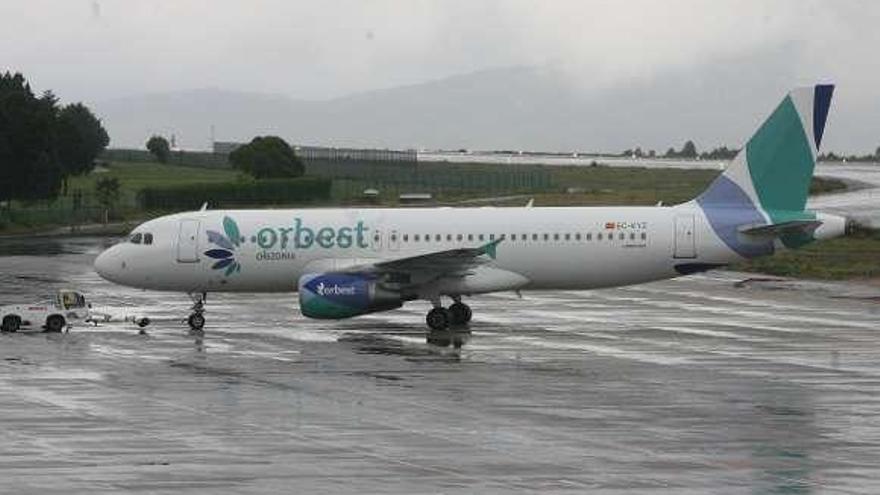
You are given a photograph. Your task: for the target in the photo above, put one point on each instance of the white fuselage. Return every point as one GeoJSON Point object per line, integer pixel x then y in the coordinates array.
{"type": "Point", "coordinates": [552, 248]}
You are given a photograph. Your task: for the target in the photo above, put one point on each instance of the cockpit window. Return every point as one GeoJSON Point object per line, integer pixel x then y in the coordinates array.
{"type": "Point", "coordinates": [148, 238]}
{"type": "Point", "coordinates": [136, 238]}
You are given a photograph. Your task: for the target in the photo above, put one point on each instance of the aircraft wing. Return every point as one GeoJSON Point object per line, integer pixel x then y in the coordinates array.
{"type": "Point", "coordinates": [452, 271]}
{"type": "Point", "coordinates": [448, 261]}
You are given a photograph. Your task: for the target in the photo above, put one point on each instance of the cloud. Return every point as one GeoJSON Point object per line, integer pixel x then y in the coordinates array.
{"type": "Point", "coordinates": [93, 51]}
{"type": "Point", "coordinates": [308, 49]}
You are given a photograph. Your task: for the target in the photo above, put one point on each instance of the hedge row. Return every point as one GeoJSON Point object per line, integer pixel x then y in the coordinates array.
{"type": "Point", "coordinates": [201, 159]}
{"type": "Point", "coordinates": [235, 194]}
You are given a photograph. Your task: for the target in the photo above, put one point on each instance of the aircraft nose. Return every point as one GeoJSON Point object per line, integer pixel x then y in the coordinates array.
{"type": "Point", "coordinates": [109, 264]}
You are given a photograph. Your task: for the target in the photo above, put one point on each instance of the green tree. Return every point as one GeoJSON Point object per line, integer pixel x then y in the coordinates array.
{"type": "Point", "coordinates": [80, 139]}
{"type": "Point", "coordinates": [159, 147]}
{"type": "Point", "coordinates": [107, 194]}
{"type": "Point", "coordinates": [29, 166]}
{"type": "Point", "coordinates": [689, 150]}
{"type": "Point", "coordinates": [267, 157]}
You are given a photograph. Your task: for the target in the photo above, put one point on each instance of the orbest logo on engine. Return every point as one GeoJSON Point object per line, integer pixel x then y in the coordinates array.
{"type": "Point", "coordinates": [335, 290]}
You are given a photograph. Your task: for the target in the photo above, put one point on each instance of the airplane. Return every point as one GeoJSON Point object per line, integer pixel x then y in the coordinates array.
{"type": "Point", "coordinates": [345, 262]}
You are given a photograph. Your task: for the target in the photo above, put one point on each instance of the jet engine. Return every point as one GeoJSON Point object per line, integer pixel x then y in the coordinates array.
{"type": "Point", "coordinates": [343, 295]}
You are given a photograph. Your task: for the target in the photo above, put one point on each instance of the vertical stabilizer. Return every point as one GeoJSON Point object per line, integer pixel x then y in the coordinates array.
{"type": "Point", "coordinates": [769, 180]}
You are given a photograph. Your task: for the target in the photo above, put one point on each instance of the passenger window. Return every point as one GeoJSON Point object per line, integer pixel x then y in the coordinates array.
{"type": "Point", "coordinates": [482, 237]}
{"type": "Point", "coordinates": [590, 236]}
{"type": "Point", "coordinates": [644, 236]}
{"type": "Point", "coordinates": [394, 237]}
{"type": "Point", "coordinates": [491, 237]}
{"type": "Point", "coordinates": [622, 236]}
{"type": "Point", "coordinates": [577, 236]}
{"type": "Point", "coordinates": [437, 237]}
{"type": "Point", "coordinates": [415, 237]}
{"type": "Point", "coordinates": [459, 237]}
{"type": "Point", "coordinates": [448, 237]}
{"type": "Point", "coordinates": [599, 237]}
{"type": "Point", "coordinates": [524, 237]}
{"type": "Point", "coordinates": [405, 237]}
{"type": "Point", "coordinates": [546, 237]}
{"type": "Point", "coordinates": [136, 238]}
{"type": "Point", "coordinates": [470, 237]}
{"type": "Point", "coordinates": [567, 237]}
{"type": "Point", "coordinates": [512, 237]}
{"type": "Point", "coordinates": [148, 239]}
{"type": "Point", "coordinates": [632, 236]}
{"type": "Point", "coordinates": [376, 238]}
{"type": "Point", "coordinates": [555, 237]}
{"type": "Point", "coordinates": [534, 237]}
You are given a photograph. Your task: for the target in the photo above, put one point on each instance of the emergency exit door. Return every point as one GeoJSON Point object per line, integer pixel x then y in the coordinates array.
{"type": "Point", "coordinates": [685, 239]}
{"type": "Point", "coordinates": [188, 241]}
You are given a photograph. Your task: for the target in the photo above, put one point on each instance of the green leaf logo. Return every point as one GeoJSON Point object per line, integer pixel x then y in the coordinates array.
{"type": "Point", "coordinates": [225, 254]}
{"type": "Point", "coordinates": [232, 231]}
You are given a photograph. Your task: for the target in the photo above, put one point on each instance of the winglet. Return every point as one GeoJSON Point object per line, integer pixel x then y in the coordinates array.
{"type": "Point", "coordinates": [491, 248]}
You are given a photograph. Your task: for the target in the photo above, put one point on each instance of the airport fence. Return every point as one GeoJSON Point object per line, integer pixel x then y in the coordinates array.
{"type": "Point", "coordinates": [66, 210]}
{"type": "Point", "coordinates": [434, 178]}
{"type": "Point", "coordinates": [398, 174]}
{"type": "Point", "coordinates": [200, 159]}
{"type": "Point", "coordinates": [302, 190]}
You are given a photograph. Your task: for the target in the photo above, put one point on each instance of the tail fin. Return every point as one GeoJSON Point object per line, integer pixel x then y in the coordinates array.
{"type": "Point", "coordinates": [768, 182]}
{"type": "Point", "coordinates": [774, 169]}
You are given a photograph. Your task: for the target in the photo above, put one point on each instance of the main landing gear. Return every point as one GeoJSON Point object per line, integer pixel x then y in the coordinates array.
{"type": "Point", "coordinates": [448, 326]}
{"type": "Point", "coordinates": [196, 319]}
{"type": "Point", "coordinates": [440, 318]}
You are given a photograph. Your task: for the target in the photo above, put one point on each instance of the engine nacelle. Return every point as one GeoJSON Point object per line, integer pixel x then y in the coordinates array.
{"type": "Point", "coordinates": [333, 296]}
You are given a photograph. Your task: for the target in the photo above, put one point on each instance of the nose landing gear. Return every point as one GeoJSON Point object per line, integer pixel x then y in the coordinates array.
{"type": "Point", "coordinates": [196, 319]}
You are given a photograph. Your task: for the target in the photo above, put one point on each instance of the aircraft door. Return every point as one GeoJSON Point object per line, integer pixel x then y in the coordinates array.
{"type": "Point", "coordinates": [685, 238]}
{"type": "Point", "coordinates": [188, 242]}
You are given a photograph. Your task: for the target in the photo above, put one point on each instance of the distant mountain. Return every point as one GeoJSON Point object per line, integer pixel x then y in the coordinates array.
{"type": "Point", "coordinates": [509, 108]}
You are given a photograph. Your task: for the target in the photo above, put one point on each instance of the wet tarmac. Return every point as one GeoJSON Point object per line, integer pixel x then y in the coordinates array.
{"type": "Point", "coordinates": [696, 385]}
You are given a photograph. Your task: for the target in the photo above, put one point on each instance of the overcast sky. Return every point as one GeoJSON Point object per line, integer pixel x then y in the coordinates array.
{"type": "Point", "coordinates": [95, 50]}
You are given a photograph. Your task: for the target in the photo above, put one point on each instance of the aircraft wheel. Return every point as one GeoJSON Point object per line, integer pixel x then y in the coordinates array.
{"type": "Point", "coordinates": [196, 321]}
{"type": "Point", "coordinates": [143, 322]}
{"type": "Point", "coordinates": [55, 323]}
{"type": "Point", "coordinates": [11, 323]}
{"type": "Point", "coordinates": [437, 319]}
{"type": "Point", "coordinates": [460, 313]}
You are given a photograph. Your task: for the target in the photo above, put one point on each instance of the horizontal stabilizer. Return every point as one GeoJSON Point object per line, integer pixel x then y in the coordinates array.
{"type": "Point", "coordinates": [778, 229]}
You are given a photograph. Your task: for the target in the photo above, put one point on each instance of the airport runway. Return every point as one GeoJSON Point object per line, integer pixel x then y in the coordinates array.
{"type": "Point", "coordinates": [695, 385]}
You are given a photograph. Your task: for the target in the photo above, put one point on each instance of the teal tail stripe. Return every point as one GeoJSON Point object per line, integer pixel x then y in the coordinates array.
{"type": "Point", "coordinates": [781, 161]}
